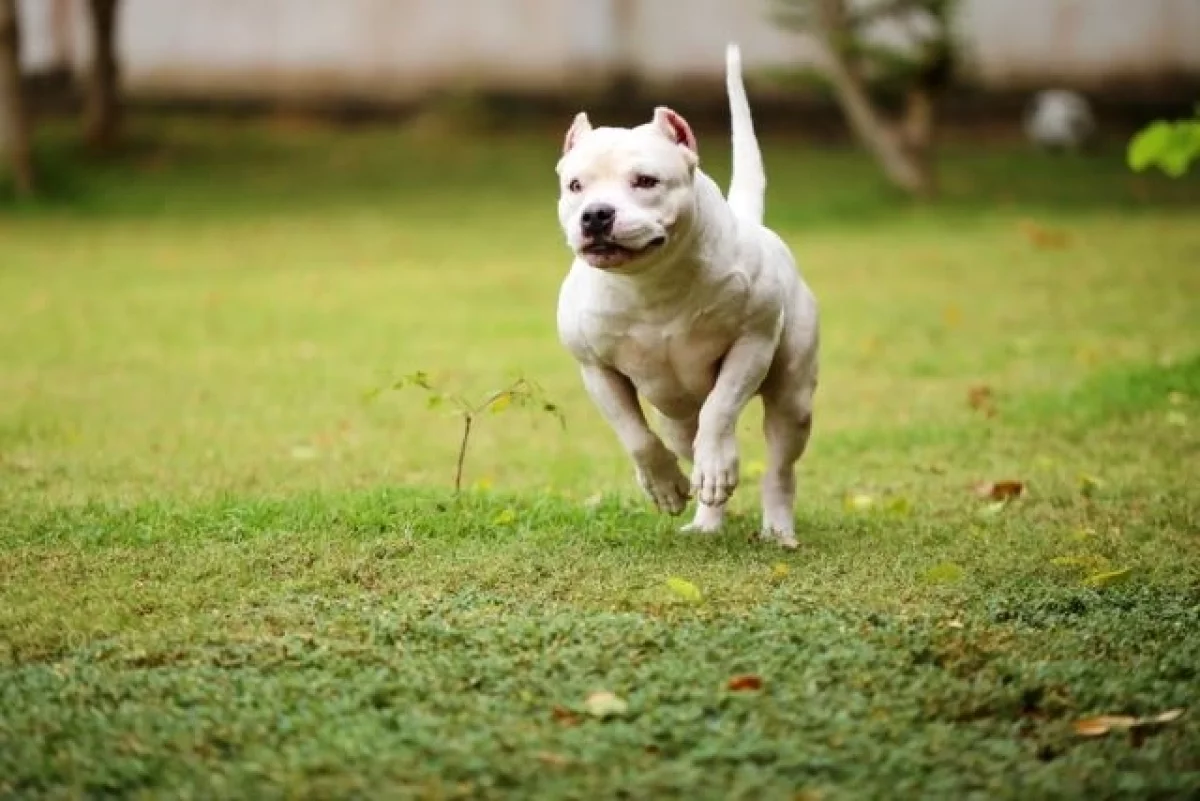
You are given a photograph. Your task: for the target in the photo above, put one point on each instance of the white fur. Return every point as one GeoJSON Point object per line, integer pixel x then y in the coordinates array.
{"type": "Point", "coordinates": [703, 311]}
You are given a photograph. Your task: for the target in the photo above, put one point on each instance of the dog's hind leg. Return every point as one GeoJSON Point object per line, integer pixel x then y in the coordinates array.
{"type": "Point", "coordinates": [787, 425]}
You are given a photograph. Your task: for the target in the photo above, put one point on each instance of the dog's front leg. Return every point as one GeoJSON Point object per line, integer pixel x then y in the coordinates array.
{"type": "Point", "coordinates": [715, 469]}
{"type": "Point", "coordinates": [657, 469]}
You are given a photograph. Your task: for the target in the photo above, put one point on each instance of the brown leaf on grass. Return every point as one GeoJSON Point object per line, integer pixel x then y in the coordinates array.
{"type": "Point", "coordinates": [1045, 238]}
{"type": "Point", "coordinates": [1000, 490]}
{"type": "Point", "coordinates": [982, 399]}
{"type": "Point", "coordinates": [1103, 724]}
{"type": "Point", "coordinates": [564, 716]}
{"type": "Point", "coordinates": [551, 758]}
{"type": "Point", "coordinates": [744, 682]}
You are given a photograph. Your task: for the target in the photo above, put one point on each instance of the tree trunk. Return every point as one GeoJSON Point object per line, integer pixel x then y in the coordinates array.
{"type": "Point", "coordinates": [15, 153]}
{"type": "Point", "coordinates": [905, 167]}
{"type": "Point", "coordinates": [102, 111]}
{"type": "Point", "coordinates": [917, 129]}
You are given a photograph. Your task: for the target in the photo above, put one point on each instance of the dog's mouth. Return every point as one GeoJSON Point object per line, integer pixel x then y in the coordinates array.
{"type": "Point", "coordinates": [607, 253]}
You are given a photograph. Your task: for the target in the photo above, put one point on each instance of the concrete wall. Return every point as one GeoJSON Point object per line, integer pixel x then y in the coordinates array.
{"type": "Point", "coordinates": [397, 49]}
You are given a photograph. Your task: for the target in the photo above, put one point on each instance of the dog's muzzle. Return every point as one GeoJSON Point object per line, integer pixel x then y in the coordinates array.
{"type": "Point", "coordinates": [597, 220]}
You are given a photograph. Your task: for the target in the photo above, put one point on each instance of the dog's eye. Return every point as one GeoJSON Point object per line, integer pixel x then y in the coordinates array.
{"type": "Point", "coordinates": [645, 182]}
{"type": "Point", "coordinates": [575, 186]}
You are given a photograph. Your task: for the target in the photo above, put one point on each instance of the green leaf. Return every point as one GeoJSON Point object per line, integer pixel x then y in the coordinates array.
{"type": "Point", "coordinates": [1107, 578]}
{"type": "Point", "coordinates": [859, 501]}
{"type": "Point", "coordinates": [685, 589]}
{"type": "Point", "coordinates": [500, 402]}
{"type": "Point", "coordinates": [992, 509]}
{"type": "Point", "coordinates": [1170, 146]}
{"type": "Point", "coordinates": [944, 573]}
{"type": "Point", "coordinates": [1089, 485]}
{"type": "Point", "coordinates": [1145, 147]}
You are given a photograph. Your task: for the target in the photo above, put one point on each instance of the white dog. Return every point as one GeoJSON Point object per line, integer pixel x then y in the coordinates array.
{"type": "Point", "coordinates": [684, 298]}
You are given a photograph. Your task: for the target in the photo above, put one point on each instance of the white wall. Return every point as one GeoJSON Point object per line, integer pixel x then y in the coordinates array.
{"type": "Point", "coordinates": [402, 48]}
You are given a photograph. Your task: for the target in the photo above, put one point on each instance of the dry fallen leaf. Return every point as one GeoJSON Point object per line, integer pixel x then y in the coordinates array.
{"type": "Point", "coordinates": [1044, 238]}
{"type": "Point", "coordinates": [780, 570]}
{"type": "Point", "coordinates": [551, 758]}
{"type": "Point", "coordinates": [1000, 490]}
{"type": "Point", "coordinates": [1103, 724]}
{"type": "Point", "coordinates": [744, 682]}
{"type": "Point", "coordinates": [564, 716]}
{"type": "Point", "coordinates": [981, 398]}
{"type": "Point", "coordinates": [603, 705]}
{"type": "Point", "coordinates": [1170, 716]}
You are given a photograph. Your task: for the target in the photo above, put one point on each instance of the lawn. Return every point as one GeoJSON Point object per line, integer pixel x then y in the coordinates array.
{"type": "Point", "coordinates": [232, 569]}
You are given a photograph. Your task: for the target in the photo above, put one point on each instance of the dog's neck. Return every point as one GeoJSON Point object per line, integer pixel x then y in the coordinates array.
{"type": "Point", "coordinates": [698, 257]}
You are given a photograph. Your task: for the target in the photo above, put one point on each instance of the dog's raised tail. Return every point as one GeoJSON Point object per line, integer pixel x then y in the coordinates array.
{"type": "Point", "coordinates": [748, 184]}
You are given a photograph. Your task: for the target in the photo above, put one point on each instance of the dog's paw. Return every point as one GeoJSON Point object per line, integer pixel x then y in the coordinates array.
{"type": "Point", "coordinates": [715, 471]}
{"type": "Point", "coordinates": [659, 475]}
{"type": "Point", "coordinates": [708, 520]}
{"type": "Point", "coordinates": [777, 525]}
{"type": "Point", "coordinates": [784, 538]}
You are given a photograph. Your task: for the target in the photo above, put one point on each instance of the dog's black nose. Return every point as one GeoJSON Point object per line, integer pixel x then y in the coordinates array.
{"type": "Point", "coordinates": [597, 219]}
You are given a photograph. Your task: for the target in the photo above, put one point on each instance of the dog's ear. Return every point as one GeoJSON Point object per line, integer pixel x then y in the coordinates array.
{"type": "Point", "coordinates": [581, 125]}
{"type": "Point", "coordinates": [675, 128]}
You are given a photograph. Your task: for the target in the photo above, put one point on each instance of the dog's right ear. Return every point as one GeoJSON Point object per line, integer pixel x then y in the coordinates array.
{"type": "Point", "coordinates": [578, 128]}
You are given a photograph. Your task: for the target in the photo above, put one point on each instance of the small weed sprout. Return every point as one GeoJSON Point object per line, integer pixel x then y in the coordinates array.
{"type": "Point", "coordinates": [521, 393]}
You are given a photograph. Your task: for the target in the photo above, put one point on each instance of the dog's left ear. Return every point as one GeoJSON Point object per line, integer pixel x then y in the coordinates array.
{"type": "Point", "coordinates": [676, 128]}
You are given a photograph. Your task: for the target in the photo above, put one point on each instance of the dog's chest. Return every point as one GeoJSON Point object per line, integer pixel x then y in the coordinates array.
{"type": "Point", "coordinates": [673, 364]}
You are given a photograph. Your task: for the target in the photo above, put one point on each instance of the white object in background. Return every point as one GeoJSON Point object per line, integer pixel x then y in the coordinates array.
{"type": "Point", "coordinates": [1060, 119]}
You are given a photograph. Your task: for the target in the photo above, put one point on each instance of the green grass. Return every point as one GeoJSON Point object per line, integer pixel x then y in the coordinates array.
{"type": "Point", "coordinates": [226, 573]}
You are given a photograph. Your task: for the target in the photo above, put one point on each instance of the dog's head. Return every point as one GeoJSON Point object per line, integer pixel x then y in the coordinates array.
{"type": "Point", "coordinates": [626, 193]}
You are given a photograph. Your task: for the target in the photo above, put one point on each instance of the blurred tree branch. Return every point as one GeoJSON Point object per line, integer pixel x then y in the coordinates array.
{"type": "Point", "coordinates": [854, 62]}
{"type": "Point", "coordinates": [101, 107]}
{"type": "Point", "coordinates": [15, 152]}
